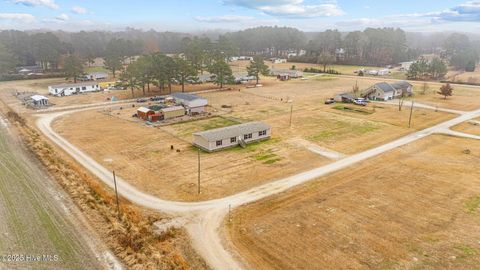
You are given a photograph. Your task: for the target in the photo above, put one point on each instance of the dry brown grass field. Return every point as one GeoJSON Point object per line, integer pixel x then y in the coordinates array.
{"type": "Point", "coordinates": [463, 98]}
{"type": "Point", "coordinates": [142, 154]}
{"type": "Point", "coordinates": [469, 127]}
{"type": "Point", "coordinates": [41, 87]}
{"type": "Point", "coordinates": [416, 207]}
{"type": "Point", "coordinates": [465, 77]}
{"type": "Point", "coordinates": [240, 66]}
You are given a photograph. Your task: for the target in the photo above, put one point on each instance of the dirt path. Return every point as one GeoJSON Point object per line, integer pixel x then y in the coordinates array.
{"type": "Point", "coordinates": [37, 218]}
{"type": "Point", "coordinates": [203, 219]}
{"type": "Point", "coordinates": [408, 104]}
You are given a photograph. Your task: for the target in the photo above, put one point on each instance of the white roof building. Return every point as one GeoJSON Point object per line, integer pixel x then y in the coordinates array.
{"type": "Point", "coordinates": [192, 103]}
{"type": "Point", "coordinates": [38, 97]}
{"type": "Point", "coordinates": [38, 100]}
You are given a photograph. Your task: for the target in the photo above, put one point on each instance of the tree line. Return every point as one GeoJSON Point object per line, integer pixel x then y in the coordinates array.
{"type": "Point", "coordinates": [373, 46]}
{"type": "Point", "coordinates": [163, 71]}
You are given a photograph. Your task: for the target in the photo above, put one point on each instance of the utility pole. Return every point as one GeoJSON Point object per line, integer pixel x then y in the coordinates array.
{"type": "Point", "coordinates": [410, 118]}
{"type": "Point", "coordinates": [229, 213]}
{"type": "Point", "coordinates": [116, 195]}
{"type": "Point", "coordinates": [291, 114]}
{"type": "Point", "coordinates": [198, 170]}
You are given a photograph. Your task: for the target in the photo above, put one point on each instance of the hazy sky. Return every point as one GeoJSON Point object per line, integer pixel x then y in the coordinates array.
{"type": "Point", "coordinates": [201, 15]}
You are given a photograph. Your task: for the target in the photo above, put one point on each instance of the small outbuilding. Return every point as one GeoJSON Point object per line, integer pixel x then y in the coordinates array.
{"type": "Point", "coordinates": [192, 103]}
{"type": "Point", "coordinates": [144, 113]}
{"type": "Point", "coordinates": [221, 138]}
{"type": "Point", "coordinates": [39, 100]}
{"type": "Point", "coordinates": [172, 112]}
{"type": "Point", "coordinates": [345, 97]}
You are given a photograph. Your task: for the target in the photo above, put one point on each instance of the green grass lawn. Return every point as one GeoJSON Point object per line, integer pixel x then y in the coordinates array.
{"type": "Point", "coordinates": [341, 129]}
{"type": "Point", "coordinates": [95, 69]}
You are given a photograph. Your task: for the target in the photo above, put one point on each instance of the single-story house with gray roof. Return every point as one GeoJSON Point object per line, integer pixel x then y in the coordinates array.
{"type": "Point", "coordinates": [386, 91]}
{"type": "Point", "coordinates": [221, 138]}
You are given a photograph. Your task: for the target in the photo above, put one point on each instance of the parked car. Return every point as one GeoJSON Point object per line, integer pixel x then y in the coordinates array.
{"type": "Point", "coordinates": [360, 102]}
{"type": "Point", "coordinates": [157, 98]}
{"type": "Point", "coordinates": [329, 101]}
{"type": "Point", "coordinates": [142, 100]}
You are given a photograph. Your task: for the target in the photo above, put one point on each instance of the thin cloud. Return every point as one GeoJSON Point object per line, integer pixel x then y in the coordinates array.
{"type": "Point", "coordinates": [34, 3]}
{"type": "Point", "coordinates": [62, 17]}
{"type": "Point", "coordinates": [18, 17]}
{"type": "Point", "coordinates": [222, 19]}
{"type": "Point", "coordinates": [290, 8]}
{"type": "Point", "coordinates": [467, 12]}
{"type": "Point", "coordinates": [79, 10]}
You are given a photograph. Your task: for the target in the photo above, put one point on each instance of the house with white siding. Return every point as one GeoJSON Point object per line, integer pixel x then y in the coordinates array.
{"type": "Point", "coordinates": [61, 90]}
{"type": "Point", "coordinates": [221, 138]}
{"type": "Point", "coordinates": [388, 91]}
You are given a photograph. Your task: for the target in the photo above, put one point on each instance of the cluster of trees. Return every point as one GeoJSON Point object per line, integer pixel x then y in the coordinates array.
{"type": "Point", "coordinates": [202, 52]}
{"type": "Point", "coordinates": [118, 51]}
{"type": "Point", "coordinates": [7, 60]}
{"type": "Point", "coordinates": [462, 53]}
{"type": "Point", "coordinates": [43, 48]}
{"type": "Point", "coordinates": [260, 39]}
{"type": "Point", "coordinates": [375, 47]}
{"type": "Point", "coordinates": [164, 71]}
{"type": "Point", "coordinates": [423, 70]}
{"type": "Point", "coordinates": [47, 49]}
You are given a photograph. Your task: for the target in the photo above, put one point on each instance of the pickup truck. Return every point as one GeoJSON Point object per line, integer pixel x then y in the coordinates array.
{"type": "Point", "coordinates": [329, 101]}
{"type": "Point", "coordinates": [360, 102]}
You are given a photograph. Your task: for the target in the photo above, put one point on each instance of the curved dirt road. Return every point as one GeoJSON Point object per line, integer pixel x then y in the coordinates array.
{"type": "Point", "coordinates": [203, 219]}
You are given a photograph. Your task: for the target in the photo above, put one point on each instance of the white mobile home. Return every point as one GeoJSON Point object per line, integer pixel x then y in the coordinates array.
{"type": "Point", "coordinates": [73, 89]}
{"type": "Point", "coordinates": [192, 103]}
{"type": "Point", "coordinates": [286, 72]}
{"type": "Point", "coordinates": [383, 72]}
{"type": "Point", "coordinates": [221, 138]}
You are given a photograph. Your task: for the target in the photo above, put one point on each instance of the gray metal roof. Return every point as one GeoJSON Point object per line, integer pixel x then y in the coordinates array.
{"type": "Point", "coordinates": [401, 85]}
{"type": "Point", "coordinates": [347, 95]}
{"type": "Point", "coordinates": [385, 87]}
{"type": "Point", "coordinates": [173, 108]}
{"type": "Point", "coordinates": [232, 131]}
{"type": "Point", "coordinates": [187, 97]}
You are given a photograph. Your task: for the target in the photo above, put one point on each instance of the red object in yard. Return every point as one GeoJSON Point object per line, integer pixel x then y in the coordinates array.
{"type": "Point", "coordinates": [144, 113]}
{"type": "Point", "coordinates": [155, 117]}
